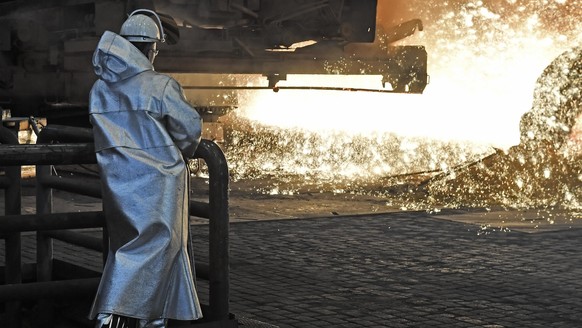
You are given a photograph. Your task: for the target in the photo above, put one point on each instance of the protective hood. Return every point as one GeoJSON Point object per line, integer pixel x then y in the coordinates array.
{"type": "Point", "coordinates": [116, 59]}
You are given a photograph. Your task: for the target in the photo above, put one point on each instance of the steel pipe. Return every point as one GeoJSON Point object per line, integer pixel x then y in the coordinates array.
{"type": "Point", "coordinates": [219, 251]}
{"type": "Point", "coordinates": [92, 189]}
{"type": "Point", "coordinates": [64, 133]}
{"type": "Point", "coordinates": [63, 289]}
{"type": "Point", "coordinates": [199, 209]}
{"type": "Point", "coordinates": [13, 243]}
{"type": "Point", "coordinates": [40, 154]}
{"type": "Point", "coordinates": [78, 239]}
{"type": "Point", "coordinates": [54, 221]}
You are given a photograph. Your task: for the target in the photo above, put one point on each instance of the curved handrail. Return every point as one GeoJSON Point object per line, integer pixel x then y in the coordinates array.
{"type": "Point", "coordinates": [219, 251]}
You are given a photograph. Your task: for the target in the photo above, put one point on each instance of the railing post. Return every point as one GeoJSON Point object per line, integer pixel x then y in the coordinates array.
{"type": "Point", "coordinates": [44, 205]}
{"type": "Point", "coordinates": [44, 243]}
{"type": "Point", "coordinates": [13, 243]}
{"type": "Point", "coordinates": [219, 250]}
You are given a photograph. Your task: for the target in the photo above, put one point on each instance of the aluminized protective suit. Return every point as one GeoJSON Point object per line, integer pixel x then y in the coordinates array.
{"type": "Point", "coordinates": [143, 127]}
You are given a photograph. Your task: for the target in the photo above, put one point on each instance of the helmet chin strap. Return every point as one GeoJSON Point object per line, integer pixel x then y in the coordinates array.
{"type": "Point", "coordinates": [162, 34]}
{"type": "Point", "coordinates": [152, 52]}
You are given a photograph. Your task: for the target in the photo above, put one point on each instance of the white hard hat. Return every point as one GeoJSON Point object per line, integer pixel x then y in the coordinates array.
{"type": "Point", "coordinates": [142, 28]}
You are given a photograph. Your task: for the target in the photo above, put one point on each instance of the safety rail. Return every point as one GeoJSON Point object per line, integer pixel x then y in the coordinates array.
{"type": "Point", "coordinates": [49, 226]}
{"type": "Point", "coordinates": [10, 182]}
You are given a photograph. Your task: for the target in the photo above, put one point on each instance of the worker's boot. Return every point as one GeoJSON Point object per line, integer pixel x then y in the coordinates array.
{"type": "Point", "coordinates": [156, 323]}
{"type": "Point", "coordinates": [106, 320]}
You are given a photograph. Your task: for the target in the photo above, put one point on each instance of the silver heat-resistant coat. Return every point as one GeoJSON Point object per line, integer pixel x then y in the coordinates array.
{"type": "Point", "coordinates": [143, 128]}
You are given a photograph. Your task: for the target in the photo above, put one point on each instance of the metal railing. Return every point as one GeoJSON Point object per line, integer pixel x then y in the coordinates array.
{"type": "Point", "coordinates": [50, 226]}
{"type": "Point", "coordinates": [10, 182]}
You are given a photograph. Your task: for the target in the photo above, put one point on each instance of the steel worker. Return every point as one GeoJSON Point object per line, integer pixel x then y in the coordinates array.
{"type": "Point", "coordinates": [144, 129]}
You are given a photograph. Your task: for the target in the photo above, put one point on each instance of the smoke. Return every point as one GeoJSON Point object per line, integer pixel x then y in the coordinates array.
{"type": "Point", "coordinates": [393, 12]}
{"type": "Point", "coordinates": [557, 17]}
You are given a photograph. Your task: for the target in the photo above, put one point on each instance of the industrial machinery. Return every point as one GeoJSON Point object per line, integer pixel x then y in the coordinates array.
{"type": "Point", "coordinates": [46, 48]}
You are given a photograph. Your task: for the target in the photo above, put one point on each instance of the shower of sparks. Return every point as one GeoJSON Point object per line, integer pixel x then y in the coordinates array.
{"type": "Point", "coordinates": [257, 150]}
{"type": "Point", "coordinates": [484, 59]}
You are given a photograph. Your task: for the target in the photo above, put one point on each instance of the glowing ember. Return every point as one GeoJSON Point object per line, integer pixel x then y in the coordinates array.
{"type": "Point", "coordinates": [484, 59]}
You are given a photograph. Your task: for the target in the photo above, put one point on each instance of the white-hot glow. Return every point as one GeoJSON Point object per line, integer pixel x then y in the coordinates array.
{"type": "Point", "coordinates": [483, 63]}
